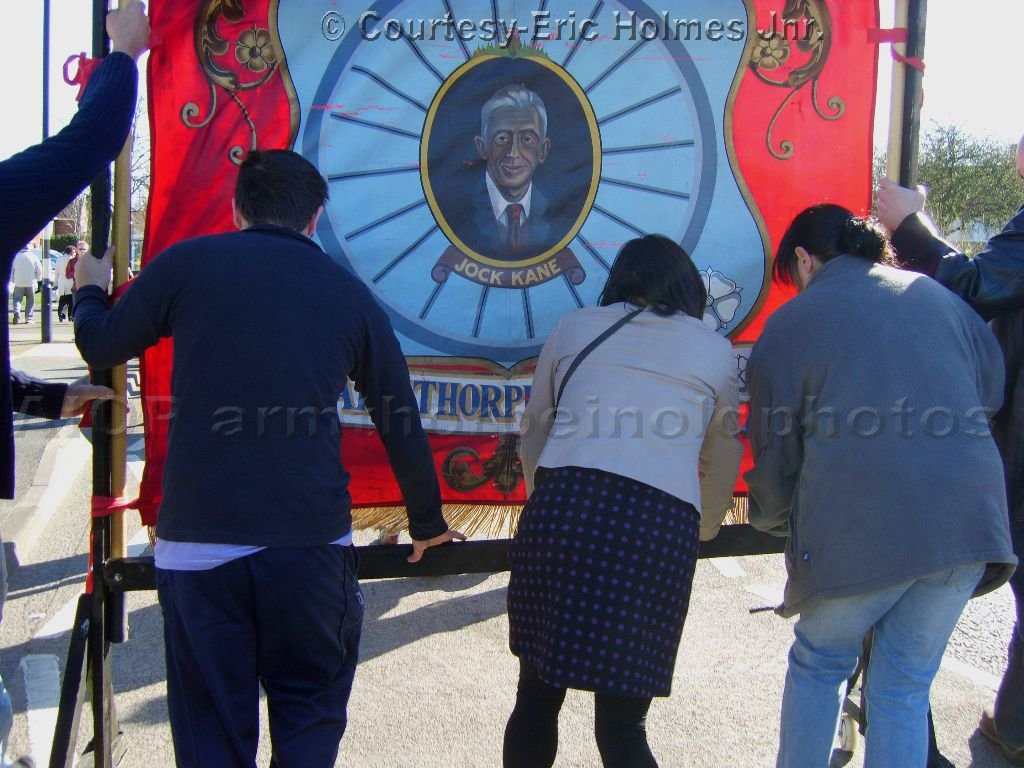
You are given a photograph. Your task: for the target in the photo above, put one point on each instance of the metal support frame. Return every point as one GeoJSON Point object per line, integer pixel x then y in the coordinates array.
{"type": "Point", "coordinates": [89, 639]}
{"type": "Point", "coordinates": [131, 574]}
{"type": "Point", "coordinates": [46, 320]}
{"type": "Point", "coordinates": [101, 617]}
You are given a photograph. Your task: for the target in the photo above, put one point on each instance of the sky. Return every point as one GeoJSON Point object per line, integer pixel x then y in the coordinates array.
{"type": "Point", "coordinates": [972, 68]}
{"type": "Point", "coordinates": [972, 53]}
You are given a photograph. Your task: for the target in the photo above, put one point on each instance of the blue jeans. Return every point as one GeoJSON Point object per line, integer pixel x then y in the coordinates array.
{"type": "Point", "coordinates": [913, 622]}
{"type": "Point", "coordinates": [6, 721]}
{"type": "Point", "coordinates": [1009, 708]}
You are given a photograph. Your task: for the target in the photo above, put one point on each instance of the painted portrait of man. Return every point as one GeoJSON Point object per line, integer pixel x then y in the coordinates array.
{"type": "Point", "coordinates": [510, 163]}
{"type": "Point", "coordinates": [510, 216]}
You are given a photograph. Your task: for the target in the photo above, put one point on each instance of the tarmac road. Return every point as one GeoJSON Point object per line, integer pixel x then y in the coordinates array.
{"type": "Point", "coordinates": [436, 682]}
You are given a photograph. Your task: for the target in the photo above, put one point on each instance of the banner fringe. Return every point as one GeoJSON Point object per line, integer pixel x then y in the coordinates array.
{"type": "Point", "coordinates": [495, 521]}
{"type": "Point", "coordinates": [738, 512]}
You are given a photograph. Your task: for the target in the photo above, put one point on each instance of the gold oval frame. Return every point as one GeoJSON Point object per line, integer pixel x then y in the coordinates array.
{"type": "Point", "coordinates": [595, 143]}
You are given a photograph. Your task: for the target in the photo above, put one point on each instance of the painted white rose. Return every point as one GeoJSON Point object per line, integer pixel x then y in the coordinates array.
{"type": "Point", "coordinates": [723, 299]}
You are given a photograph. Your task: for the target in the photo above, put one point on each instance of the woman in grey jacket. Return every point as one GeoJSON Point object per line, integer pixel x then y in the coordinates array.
{"type": "Point", "coordinates": [873, 454]}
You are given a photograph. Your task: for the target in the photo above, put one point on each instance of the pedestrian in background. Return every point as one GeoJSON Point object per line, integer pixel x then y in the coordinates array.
{"type": "Point", "coordinates": [873, 455]}
{"type": "Point", "coordinates": [26, 272]}
{"type": "Point", "coordinates": [66, 283]}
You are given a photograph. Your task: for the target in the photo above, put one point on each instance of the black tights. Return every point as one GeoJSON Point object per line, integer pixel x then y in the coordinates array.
{"type": "Point", "coordinates": [531, 736]}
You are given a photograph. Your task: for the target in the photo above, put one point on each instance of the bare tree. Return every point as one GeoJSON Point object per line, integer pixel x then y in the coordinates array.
{"type": "Point", "coordinates": [140, 157]}
{"type": "Point", "coordinates": [77, 214]}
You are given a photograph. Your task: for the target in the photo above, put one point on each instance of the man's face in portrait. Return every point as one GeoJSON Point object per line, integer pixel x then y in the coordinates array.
{"type": "Point", "coordinates": [513, 149]}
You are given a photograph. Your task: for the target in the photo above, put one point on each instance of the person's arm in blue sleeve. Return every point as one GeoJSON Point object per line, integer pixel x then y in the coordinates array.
{"type": "Point", "coordinates": [109, 336]}
{"type": "Point", "coordinates": [382, 378]}
{"type": "Point", "coordinates": [36, 397]}
{"type": "Point", "coordinates": [54, 400]}
{"type": "Point", "coordinates": [38, 183]}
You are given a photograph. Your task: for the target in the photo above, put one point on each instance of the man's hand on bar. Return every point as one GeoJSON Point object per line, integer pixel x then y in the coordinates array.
{"type": "Point", "coordinates": [419, 547]}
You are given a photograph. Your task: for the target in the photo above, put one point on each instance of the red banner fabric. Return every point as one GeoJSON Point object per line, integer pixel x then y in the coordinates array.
{"type": "Point", "coordinates": [777, 106]}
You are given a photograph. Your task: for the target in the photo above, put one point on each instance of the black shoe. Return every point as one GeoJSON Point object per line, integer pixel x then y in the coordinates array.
{"type": "Point", "coordinates": [24, 762]}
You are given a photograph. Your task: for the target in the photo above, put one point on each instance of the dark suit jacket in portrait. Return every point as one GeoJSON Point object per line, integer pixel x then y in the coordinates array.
{"type": "Point", "coordinates": [476, 226]}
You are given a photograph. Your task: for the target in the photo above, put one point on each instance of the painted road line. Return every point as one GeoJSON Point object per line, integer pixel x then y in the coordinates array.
{"type": "Point", "coordinates": [729, 567]}
{"type": "Point", "coordinates": [42, 695]}
{"type": "Point", "coordinates": [977, 676]}
{"type": "Point", "coordinates": [58, 349]}
{"type": "Point", "coordinates": [770, 592]}
{"type": "Point", "coordinates": [42, 671]}
{"type": "Point", "coordinates": [69, 452]}
{"type": "Point", "coordinates": [64, 618]}
{"type": "Point", "coordinates": [60, 623]}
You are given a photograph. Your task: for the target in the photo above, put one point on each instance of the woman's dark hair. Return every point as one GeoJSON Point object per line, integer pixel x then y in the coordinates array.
{"type": "Point", "coordinates": [278, 186]}
{"type": "Point", "coordinates": [827, 231]}
{"type": "Point", "coordinates": [70, 250]}
{"type": "Point", "coordinates": [658, 273]}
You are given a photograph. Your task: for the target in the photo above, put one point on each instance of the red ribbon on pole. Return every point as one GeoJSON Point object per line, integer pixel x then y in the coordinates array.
{"type": "Point", "coordinates": [86, 66]}
{"type": "Point", "coordinates": [896, 35]}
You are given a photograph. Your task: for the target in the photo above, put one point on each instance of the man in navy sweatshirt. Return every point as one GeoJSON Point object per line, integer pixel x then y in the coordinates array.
{"type": "Point", "coordinates": [256, 571]}
{"type": "Point", "coordinates": [35, 185]}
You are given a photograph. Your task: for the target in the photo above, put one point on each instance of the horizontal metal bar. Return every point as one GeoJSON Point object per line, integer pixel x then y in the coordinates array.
{"type": "Point", "coordinates": [491, 556]}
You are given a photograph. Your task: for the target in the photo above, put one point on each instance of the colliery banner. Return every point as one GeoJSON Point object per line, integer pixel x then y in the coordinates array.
{"type": "Point", "coordinates": [710, 121]}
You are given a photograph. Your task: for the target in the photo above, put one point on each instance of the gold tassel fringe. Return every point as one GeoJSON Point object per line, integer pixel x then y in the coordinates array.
{"type": "Point", "coordinates": [495, 521]}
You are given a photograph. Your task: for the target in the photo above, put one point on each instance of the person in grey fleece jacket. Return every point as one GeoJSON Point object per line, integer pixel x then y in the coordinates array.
{"type": "Point", "coordinates": [873, 454]}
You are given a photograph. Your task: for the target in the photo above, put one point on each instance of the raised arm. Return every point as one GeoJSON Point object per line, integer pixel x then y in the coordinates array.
{"type": "Point", "coordinates": [992, 281]}
{"type": "Point", "coordinates": [38, 183]}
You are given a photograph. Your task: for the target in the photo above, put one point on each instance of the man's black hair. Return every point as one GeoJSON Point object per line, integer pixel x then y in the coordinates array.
{"type": "Point", "coordinates": [278, 186]}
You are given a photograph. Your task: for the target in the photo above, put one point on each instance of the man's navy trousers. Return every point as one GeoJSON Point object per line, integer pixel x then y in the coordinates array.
{"type": "Point", "coordinates": [288, 618]}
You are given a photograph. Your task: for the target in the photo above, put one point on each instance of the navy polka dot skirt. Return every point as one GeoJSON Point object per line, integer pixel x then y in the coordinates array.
{"type": "Point", "coordinates": [600, 583]}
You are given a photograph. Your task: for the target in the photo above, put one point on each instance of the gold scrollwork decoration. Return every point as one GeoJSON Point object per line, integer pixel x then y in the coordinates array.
{"type": "Point", "coordinates": [772, 50]}
{"type": "Point", "coordinates": [463, 469]}
{"type": "Point", "coordinates": [255, 50]}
